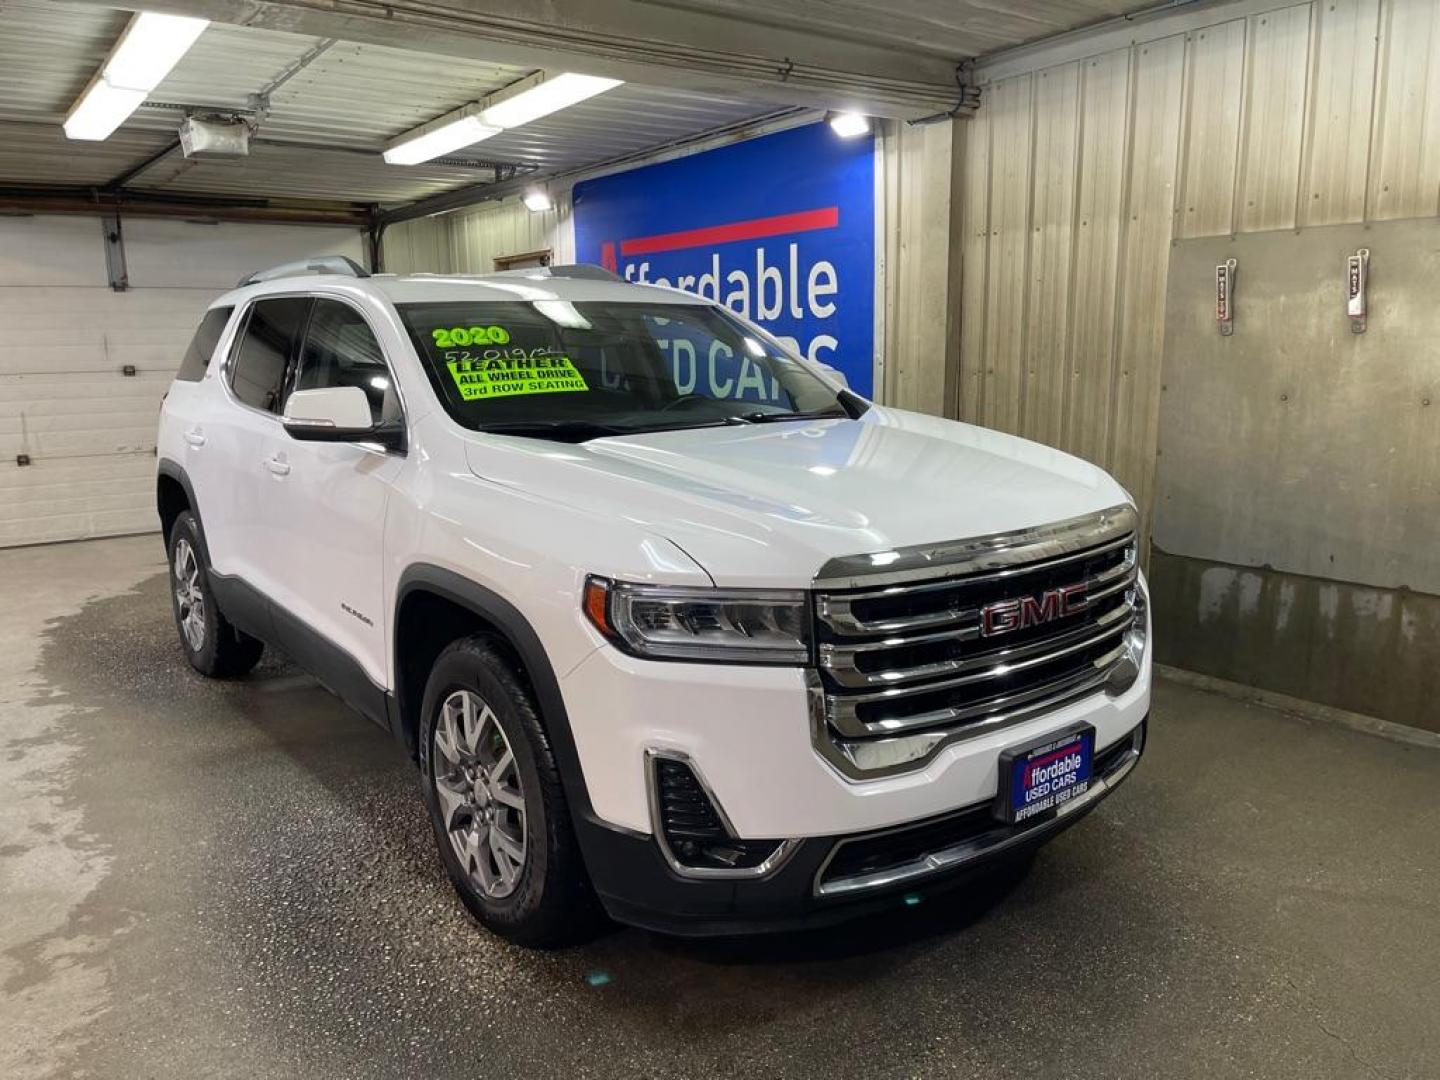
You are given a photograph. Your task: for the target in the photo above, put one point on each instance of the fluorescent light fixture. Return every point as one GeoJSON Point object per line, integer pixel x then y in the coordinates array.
{"type": "Point", "coordinates": [150, 47]}
{"type": "Point", "coordinates": [529, 99]}
{"type": "Point", "coordinates": [543, 97]}
{"type": "Point", "coordinates": [100, 110]}
{"type": "Point", "coordinates": [453, 131]}
{"type": "Point", "coordinates": [848, 124]}
{"type": "Point", "coordinates": [537, 199]}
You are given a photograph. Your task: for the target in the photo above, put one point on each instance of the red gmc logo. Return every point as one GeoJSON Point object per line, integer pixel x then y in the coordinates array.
{"type": "Point", "coordinates": [1003, 616]}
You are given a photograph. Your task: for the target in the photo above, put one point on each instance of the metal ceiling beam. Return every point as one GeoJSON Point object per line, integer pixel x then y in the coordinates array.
{"type": "Point", "coordinates": [686, 49]}
{"type": "Point", "coordinates": [56, 199]}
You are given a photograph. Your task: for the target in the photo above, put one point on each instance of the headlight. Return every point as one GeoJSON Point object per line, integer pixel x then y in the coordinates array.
{"type": "Point", "coordinates": [673, 623]}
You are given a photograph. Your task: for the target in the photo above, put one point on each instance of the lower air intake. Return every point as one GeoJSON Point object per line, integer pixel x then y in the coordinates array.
{"type": "Point", "coordinates": [694, 833]}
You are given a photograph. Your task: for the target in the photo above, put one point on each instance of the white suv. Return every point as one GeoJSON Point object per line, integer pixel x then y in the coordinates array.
{"type": "Point", "coordinates": [674, 625]}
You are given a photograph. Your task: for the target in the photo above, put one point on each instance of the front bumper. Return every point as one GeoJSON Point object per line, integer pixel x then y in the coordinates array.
{"type": "Point", "coordinates": [744, 729]}
{"type": "Point", "coordinates": [747, 730]}
{"type": "Point", "coordinates": [829, 879]}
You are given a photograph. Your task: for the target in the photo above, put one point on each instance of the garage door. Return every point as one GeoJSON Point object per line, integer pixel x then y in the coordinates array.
{"type": "Point", "coordinates": [83, 368]}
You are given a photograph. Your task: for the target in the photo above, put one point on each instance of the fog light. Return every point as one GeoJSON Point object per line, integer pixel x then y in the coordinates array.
{"type": "Point", "coordinates": [692, 831]}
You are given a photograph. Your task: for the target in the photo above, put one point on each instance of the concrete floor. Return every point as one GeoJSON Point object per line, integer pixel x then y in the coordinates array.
{"type": "Point", "coordinates": [215, 879]}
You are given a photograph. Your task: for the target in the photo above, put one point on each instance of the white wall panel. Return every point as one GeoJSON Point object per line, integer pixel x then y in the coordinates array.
{"type": "Point", "coordinates": [216, 255]}
{"type": "Point", "coordinates": [38, 251]}
{"type": "Point", "coordinates": [1342, 95]}
{"type": "Point", "coordinates": [1405, 154]}
{"type": "Point", "coordinates": [1104, 127]}
{"type": "Point", "coordinates": [1278, 79]}
{"type": "Point", "coordinates": [65, 338]}
{"type": "Point", "coordinates": [1214, 101]}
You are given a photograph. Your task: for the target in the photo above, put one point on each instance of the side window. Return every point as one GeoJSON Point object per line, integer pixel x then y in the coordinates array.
{"type": "Point", "coordinates": [259, 361]}
{"type": "Point", "coordinates": [202, 345]}
{"type": "Point", "coordinates": [340, 350]}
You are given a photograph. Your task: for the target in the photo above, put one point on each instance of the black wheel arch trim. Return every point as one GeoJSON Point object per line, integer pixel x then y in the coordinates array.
{"type": "Point", "coordinates": [172, 469]}
{"type": "Point", "coordinates": [520, 636]}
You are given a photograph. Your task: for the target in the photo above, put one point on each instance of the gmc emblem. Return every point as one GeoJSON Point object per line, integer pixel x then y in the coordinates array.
{"type": "Point", "coordinates": [1003, 616]}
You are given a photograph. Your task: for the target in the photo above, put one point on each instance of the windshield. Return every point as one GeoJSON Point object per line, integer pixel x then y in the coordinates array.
{"type": "Point", "coordinates": [577, 370]}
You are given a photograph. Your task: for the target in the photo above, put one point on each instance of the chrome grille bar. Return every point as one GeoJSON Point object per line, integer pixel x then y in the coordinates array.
{"type": "Point", "coordinates": [1024, 547]}
{"type": "Point", "coordinates": [843, 662]}
{"type": "Point", "coordinates": [916, 653]}
{"type": "Point", "coordinates": [844, 712]}
{"type": "Point", "coordinates": [838, 611]}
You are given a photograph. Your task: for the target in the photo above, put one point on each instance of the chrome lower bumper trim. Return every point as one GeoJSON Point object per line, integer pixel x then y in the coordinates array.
{"type": "Point", "coordinates": [957, 855]}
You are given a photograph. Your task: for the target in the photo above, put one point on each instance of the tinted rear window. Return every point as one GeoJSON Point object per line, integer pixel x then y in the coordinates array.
{"type": "Point", "coordinates": [202, 345]}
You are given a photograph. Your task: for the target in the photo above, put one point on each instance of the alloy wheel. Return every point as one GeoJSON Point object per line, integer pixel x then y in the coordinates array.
{"type": "Point", "coordinates": [189, 595]}
{"type": "Point", "coordinates": [482, 799]}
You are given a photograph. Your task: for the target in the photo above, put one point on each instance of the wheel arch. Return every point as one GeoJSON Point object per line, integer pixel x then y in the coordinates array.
{"type": "Point", "coordinates": [174, 494]}
{"type": "Point", "coordinates": [435, 606]}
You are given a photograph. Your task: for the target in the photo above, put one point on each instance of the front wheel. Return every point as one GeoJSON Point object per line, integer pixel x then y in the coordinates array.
{"type": "Point", "coordinates": [211, 644]}
{"type": "Point", "coordinates": [496, 801]}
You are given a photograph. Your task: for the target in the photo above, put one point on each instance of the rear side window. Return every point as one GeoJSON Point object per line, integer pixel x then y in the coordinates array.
{"type": "Point", "coordinates": [202, 345]}
{"type": "Point", "coordinates": [340, 350]}
{"type": "Point", "coordinates": [257, 370]}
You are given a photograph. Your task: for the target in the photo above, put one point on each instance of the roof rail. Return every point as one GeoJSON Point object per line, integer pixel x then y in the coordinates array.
{"type": "Point", "coordinates": [579, 271]}
{"type": "Point", "coordinates": [584, 271]}
{"type": "Point", "coordinates": [325, 264]}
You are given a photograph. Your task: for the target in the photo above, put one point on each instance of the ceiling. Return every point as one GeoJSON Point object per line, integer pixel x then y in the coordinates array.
{"type": "Point", "coordinates": [325, 107]}
{"type": "Point", "coordinates": [958, 29]}
{"type": "Point", "coordinates": [321, 135]}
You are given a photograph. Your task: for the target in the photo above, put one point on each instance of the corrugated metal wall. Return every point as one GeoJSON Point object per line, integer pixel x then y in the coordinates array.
{"type": "Point", "coordinates": [468, 242]}
{"type": "Point", "coordinates": [1077, 176]}
{"type": "Point", "coordinates": [920, 190]}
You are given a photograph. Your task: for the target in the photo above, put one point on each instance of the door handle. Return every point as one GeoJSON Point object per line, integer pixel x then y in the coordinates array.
{"type": "Point", "coordinates": [195, 437]}
{"type": "Point", "coordinates": [278, 466]}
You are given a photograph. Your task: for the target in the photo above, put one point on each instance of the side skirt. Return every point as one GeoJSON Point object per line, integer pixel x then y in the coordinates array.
{"type": "Point", "coordinates": [254, 613]}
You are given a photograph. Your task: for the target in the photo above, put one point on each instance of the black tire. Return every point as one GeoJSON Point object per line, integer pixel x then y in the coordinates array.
{"type": "Point", "coordinates": [216, 648]}
{"type": "Point", "coordinates": [551, 904]}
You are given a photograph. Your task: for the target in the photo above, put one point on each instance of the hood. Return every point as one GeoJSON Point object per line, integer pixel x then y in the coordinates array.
{"type": "Point", "coordinates": [767, 505]}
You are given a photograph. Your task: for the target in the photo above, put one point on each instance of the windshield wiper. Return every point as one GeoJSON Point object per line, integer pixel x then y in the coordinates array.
{"type": "Point", "coordinates": [563, 430]}
{"type": "Point", "coordinates": [761, 417]}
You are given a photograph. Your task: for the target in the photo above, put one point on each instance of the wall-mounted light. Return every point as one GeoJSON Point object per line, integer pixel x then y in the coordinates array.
{"type": "Point", "coordinates": [537, 200]}
{"type": "Point", "coordinates": [519, 103]}
{"type": "Point", "coordinates": [849, 124]}
{"type": "Point", "coordinates": [150, 47]}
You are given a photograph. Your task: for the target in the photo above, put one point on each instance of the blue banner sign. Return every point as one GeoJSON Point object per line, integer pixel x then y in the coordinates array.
{"type": "Point", "coordinates": [780, 229]}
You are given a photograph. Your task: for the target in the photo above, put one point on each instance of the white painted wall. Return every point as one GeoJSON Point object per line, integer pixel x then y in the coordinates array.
{"type": "Point", "coordinates": [65, 337]}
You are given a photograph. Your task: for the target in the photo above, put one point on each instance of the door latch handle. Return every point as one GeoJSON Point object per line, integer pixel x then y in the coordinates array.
{"type": "Point", "coordinates": [195, 437]}
{"type": "Point", "coordinates": [278, 467]}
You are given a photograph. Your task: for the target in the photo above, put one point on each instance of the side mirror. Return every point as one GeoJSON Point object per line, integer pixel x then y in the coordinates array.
{"type": "Point", "coordinates": [834, 373]}
{"type": "Point", "coordinates": [338, 414]}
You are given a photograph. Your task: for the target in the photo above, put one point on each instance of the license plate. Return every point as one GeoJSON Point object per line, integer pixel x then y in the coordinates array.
{"type": "Point", "coordinates": [1044, 776]}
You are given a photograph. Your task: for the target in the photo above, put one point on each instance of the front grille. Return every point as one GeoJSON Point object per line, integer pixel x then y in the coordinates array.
{"type": "Point", "coordinates": [919, 647]}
